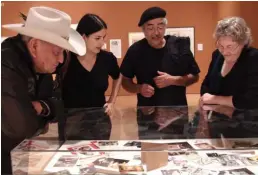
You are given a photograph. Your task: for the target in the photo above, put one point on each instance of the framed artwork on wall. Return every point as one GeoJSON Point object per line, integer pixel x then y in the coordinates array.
{"type": "Point", "coordinates": [178, 31]}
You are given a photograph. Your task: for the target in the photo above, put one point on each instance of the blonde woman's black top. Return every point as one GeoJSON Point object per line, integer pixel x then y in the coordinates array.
{"type": "Point", "coordinates": [241, 82]}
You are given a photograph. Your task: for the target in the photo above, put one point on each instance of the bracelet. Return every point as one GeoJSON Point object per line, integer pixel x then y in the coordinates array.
{"type": "Point", "coordinates": [45, 108]}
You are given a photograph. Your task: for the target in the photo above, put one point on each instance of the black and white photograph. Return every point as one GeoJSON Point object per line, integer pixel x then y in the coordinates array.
{"type": "Point", "coordinates": [133, 143]}
{"type": "Point", "coordinates": [82, 149]}
{"type": "Point", "coordinates": [123, 168]}
{"type": "Point", "coordinates": [204, 146]}
{"type": "Point", "coordinates": [171, 172]}
{"type": "Point", "coordinates": [179, 145]}
{"type": "Point", "coordinates": [232, 159]}
{"type": "Point", "coordinates": [109, 162]}
{"type": "Point", "coordinates": [178, 161]}
{"type": "Point", "coordinates": [200, 171]}
{"type": "Point", "coordinates": [181, 153]}
{"type": "Point", "coordinates": [241, 171]}
{"type": "Point", "coordinates": [88, 170]}
{"type": "Point", "coordinates": [66, 161]}
{"type": "Point", "coordinates": [107, 143]}
{"type": "Point", "coordinates": [137, 157]}
{"type": "Point", "coordinates": [79, 148]}
{"type": "Point", "coordinates": [245, 144]}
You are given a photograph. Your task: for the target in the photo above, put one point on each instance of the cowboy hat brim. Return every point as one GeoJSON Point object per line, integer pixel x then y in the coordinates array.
{"type": "Point", "coordinates": [74, 43]}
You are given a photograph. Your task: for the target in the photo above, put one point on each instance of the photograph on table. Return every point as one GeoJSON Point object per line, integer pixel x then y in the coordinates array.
{"type": "Point", "coordinates": [109, 163]}
{"type": "Point", "coordinates": [205, 161]}
{"type": "Point", "coordinates": [179, 145]}
{"type": "Point", "coordinates": [133, 143]}
{"type": "Point", "coordinates": [204, 146]}
{"type": "Point", "coordinates": [88, 170]}
{"type": "Point", "coordinates": [86, 161]}
{"type": "Point", "coordinates": [66, 161]}
{"type": "Point", "coordinates": [201, 171]}
{"type": "Point", "coordinates": [240, 171]}
{"type": "Point", "coordinates": [213, 155]}
{"type": "Point", "coordinates": [82, 149]}
{"type": "Point", "coordinates": [232, 159]}
{"type": "Point", "coordinates": [192, 170]}
{"type": "Point", "coordinates": [178, 161]}
{"type": "Point", "coordinates": [182, 153]}
{"type": "Point", "coordinates": [253, 158]}
{"type": "Point", "coordinates": [245, 144]}
{"type": "Point", "coordinates": [137, 157]}
{"type": "Point", "coordinates": [171, 172]}
{"type": "Point", "coordinates": [124, 168]}
{"type": "Point", "coordinates": [107, 143]}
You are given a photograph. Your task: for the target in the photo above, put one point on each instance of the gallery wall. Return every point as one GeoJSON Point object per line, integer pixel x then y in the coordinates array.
{"type": "Point", "coordinates": [122, 18]}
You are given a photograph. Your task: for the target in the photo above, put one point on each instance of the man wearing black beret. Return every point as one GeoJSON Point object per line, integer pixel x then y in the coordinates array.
{"type": "Point", "coordinates": [163, 65]}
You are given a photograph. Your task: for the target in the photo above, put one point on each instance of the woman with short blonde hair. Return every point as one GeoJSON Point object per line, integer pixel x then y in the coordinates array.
{"type": "Point", "coordinates": [235, 27]}
{"type": "Point", "coordinates": [232, 78]}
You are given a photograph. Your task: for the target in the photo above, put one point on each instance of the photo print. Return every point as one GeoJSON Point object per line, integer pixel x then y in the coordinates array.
{"type": "Point", "coordinates": [66, 161]}
{"type": "Point", "coordinates": [107, 143]}
{"type": "Point", "coordinates": [241, 171]}
{"type": "Point", "coordinates": [109, 163]}
{"type": "Point", "coordinates": [179, 145]}
{"type": "Point", "coordinates": [204, 146]}
{"type": "Point", "coordinates": [133, 143]}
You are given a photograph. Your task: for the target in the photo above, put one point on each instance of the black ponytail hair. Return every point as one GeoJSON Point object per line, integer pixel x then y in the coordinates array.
{"type": "Point", "coordinates": [90, 23]}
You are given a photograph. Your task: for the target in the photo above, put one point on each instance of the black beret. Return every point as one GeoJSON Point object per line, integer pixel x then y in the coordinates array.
{"type": "Point", "coordinates": [151, 13]}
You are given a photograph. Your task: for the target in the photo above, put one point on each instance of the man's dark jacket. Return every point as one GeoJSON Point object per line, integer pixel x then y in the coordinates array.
{"type": "Point", "coordinates": [20, 86]}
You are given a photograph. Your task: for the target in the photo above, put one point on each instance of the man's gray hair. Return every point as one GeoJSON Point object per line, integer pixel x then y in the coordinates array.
{"type": "Point", "coordinates": [234, 27]}
{"type": "Point", "coordinates": [165, 20]}
{"type": "Point", "coordinates": [26, 39]}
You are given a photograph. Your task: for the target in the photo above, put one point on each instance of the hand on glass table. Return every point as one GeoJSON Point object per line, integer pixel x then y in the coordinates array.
{"type": "Point", "coordinates": [228, 111]}
{"type": "Point", "coordinates": [109, 108]}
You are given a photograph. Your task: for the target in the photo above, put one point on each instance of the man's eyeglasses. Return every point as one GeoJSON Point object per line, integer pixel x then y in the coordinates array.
{"type": "Point", "coordinates": [152, 28]}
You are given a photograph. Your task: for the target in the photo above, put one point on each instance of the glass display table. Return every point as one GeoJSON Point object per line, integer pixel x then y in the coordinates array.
{"type": "Point", "coordinates": [145, 140]}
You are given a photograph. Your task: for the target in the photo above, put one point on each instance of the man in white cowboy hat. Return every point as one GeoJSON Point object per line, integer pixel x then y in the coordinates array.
{"type": "Point", "coordinates": [28, 60]}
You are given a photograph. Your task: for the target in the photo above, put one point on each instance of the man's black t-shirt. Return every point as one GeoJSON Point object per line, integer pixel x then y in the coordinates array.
{"type": "Point", "coordinates": [175, 58]}
{"type": "Point", "coordinates": [85, 89]}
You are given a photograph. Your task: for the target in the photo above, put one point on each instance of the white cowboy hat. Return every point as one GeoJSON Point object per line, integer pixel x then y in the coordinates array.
{"type": "Point", "coordinates": [53, 26]}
